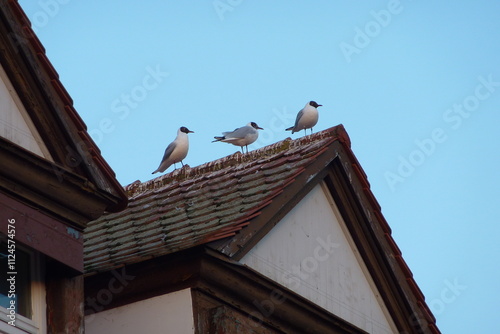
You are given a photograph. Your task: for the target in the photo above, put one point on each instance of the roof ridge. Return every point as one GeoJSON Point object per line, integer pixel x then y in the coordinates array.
{"type": "Point", "coordinates": [251, 158]}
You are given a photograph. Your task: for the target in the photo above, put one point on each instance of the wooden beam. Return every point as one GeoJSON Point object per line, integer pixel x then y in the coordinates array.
{"type": "Point", "coordinates": [64, 301]}
{"type": "Point", "coordinates": [46, 185]}
{"type": "Point", "coordinates": [43, 233]}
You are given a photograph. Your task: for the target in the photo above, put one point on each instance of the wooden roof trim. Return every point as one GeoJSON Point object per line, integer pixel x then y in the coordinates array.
{"type": "Point", "coordinates": [34, 179]}
{"type": "Point", "coordinates": [63, 121]}
{"type": "Point", "coordinates": [383, 258]}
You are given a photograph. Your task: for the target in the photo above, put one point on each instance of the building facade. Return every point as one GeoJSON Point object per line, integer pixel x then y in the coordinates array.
{"type": "Point", "coordinates": [53, 181]}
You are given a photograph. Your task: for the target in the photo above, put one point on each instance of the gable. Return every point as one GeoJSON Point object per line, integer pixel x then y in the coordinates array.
{"type": "Point", "coordinates": [15, 124]}
{"type": "Point", "coordinates": [311, 252]}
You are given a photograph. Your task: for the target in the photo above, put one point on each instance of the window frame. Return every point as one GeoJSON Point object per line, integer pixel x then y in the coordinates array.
{"type": "Point", "coordinates": [38, 322]}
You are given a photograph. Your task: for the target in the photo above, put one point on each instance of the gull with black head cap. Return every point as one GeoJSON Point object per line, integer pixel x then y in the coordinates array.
{"type": "Point", "coordinates": [243, 136]}
{"type": "Point", "coordinates": [176, 151]}
{"type": "Point", "coordinates": [306, 118]}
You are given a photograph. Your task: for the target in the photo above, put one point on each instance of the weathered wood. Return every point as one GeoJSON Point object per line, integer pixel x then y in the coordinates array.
{"type": "Point", "coordinates": [64, 301]}
{"type": "Point", "coordinates": [38, 231]}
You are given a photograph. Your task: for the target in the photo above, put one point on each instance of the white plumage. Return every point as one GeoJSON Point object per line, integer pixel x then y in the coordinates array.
{"type": "Point", "coordinates": [243, 136]}
{"type": "Point", "coordinates": [176, 151]}
{"type": "Point", "coordinates": [307, 118]}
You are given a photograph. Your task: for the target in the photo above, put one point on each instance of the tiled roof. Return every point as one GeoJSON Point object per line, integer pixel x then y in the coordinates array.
{"type": "Point", "coordinates": [192, 206]}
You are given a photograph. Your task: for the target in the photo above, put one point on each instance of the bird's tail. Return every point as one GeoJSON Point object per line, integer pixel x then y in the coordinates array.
{"type": "Point", "coordinates": [290, 129]}
{"type": "Point", "coordinates": [218, 139]}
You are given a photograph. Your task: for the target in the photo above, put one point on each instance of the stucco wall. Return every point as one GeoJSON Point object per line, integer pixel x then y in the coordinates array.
{"type": "Point", "coordinates": [171, 313]}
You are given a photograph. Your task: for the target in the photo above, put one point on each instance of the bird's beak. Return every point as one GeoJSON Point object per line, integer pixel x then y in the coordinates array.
{"type": "Point", "coordinates": [258, 127]}
{"type": "Point", "coordinates": [320, 105]}
{"type": "Point", "coordinates": [189, 131]}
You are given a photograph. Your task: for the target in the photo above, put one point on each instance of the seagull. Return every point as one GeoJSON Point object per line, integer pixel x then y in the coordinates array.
{"type": "Point", "coordinates": [306, 118]}
{"type": "Point", "coordinates": [243, 136]}
{"type": "Point", "coordinates": [176, 151]}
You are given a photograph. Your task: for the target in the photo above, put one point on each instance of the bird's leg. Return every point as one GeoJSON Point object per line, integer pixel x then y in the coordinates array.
{"type": "Point", "coordinates": [182, 163]}
{"type": "Point", "coordinates": [242, 152]}
{"type": "Point", "coordinates": [247, 148]}
{"type": "Point", "coordinates": [311, 130]}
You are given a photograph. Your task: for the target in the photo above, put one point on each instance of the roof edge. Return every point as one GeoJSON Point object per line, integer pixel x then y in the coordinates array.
{"type": "Point", "coordinates": [24, 41]}
{"type": "Point", "coordinates": [250, 159]}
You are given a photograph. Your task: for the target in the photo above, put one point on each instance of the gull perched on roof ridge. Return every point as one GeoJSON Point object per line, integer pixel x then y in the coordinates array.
{"type": "Point", "coordinates": [307, 117]}
{"type": "Point", "coordinates": [243, 136]}
{"type": "Point", "coordinates": [176, 151]}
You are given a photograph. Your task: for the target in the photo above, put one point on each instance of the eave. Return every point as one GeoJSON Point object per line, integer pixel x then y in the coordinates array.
{"type": "Point", "coordinates": [50, 188]}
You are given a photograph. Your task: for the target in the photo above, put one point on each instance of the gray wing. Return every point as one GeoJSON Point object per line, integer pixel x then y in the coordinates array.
{"type": "Point", "coordinates": [299, 116]}
{"type": "Point", "coordinates": [168, 151]}
{"type": "Point", "coordinates": [239, 132]}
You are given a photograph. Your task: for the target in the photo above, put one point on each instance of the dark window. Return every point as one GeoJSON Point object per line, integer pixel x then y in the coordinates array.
{"type": "Point", "coordinates": [21, 260]}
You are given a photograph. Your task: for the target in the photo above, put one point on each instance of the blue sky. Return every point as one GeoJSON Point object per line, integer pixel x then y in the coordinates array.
{"type": "Point", "coordinates": [415, 83]}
